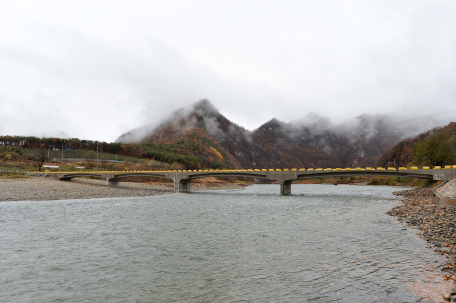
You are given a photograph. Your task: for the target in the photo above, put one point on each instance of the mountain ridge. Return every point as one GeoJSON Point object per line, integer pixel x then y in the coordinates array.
{"type": "Point", "coordinates": [312, 141]}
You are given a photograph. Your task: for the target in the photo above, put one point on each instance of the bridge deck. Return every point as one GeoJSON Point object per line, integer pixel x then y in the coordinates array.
{"type": "Point", "coordinates": [285, 177]}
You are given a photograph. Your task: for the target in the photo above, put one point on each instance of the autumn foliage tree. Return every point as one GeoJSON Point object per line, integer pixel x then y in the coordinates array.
{"type": "Point", "coordinates": [436, 150]}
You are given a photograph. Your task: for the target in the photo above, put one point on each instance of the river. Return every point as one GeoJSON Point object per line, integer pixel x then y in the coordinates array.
{"type": "Point", "coordinates": [323, 243]}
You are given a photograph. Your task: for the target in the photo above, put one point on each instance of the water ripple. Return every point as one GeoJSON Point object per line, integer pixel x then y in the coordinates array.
{"type": "Point", "coordinates": [322, 244]}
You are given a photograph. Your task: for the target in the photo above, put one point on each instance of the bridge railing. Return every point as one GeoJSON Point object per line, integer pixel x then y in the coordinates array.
{"type": "Point", "coordinates": [248, 170]}
{"type": "Point", "coordinates": [285, 177]}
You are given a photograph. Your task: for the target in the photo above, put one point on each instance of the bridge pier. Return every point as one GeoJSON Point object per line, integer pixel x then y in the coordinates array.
{"type": "Point", "coordinates": [285, 187]}
{"type": "Point", "coordinates": [182, 185]}
{"type": "Point", "coordinates": [113, 182]}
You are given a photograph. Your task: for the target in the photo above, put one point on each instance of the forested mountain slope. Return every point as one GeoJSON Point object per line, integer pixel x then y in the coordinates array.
{"type": "Point", "coordinates": [312, 141]}
{"type": "Point", "coordinates": [401, 154]}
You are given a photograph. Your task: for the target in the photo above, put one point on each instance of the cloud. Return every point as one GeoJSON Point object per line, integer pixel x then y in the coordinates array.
{"type": "Point", "coordinates": [95, 75]}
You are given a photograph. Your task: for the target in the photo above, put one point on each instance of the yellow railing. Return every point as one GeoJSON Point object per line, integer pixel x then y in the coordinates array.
{"type": "Point", "coordinates": [247, 170]}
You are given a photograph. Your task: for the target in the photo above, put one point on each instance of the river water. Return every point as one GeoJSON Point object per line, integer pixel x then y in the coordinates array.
{"type": "Point", "coordinates": [321, 244]}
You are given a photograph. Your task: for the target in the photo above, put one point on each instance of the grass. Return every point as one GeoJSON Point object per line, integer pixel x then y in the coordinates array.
{"type": "Point", "coordinates": [397, 181]}
{"type": "Point", "coordinates": [336, 180]}
{"type": "Point", "coordinates": [79, 154]}
{"type": "Point", "coordinates": [5, 175]}
{"type": "Point", "coordinates": [18, 166]}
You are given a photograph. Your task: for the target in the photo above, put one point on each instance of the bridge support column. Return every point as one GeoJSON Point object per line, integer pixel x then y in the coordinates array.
{"type": "Point", "coordinates": [182, 185]}
{"type": "Point", "coordinates": [285, 187]}
{"type": "Point", "coordinates": [113, 182]}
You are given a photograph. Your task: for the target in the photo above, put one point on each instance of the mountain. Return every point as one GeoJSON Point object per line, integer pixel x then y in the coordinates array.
{"type": "Point", "coordinates": [312, 141]}
{"type": "Point", "coordinates": [401, 153]}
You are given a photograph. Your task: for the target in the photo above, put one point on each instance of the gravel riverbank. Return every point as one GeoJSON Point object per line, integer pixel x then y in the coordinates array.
{"type": "Point", "coordinates": [435, 224]}
{"type": "Point", "coordinates": [39, 189]}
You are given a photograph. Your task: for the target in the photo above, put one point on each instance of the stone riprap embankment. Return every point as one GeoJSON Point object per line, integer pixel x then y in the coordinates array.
{"type": "Point", "coordinates": [447, 190]}
{"type": "Point", "coordinates": [39, 189]}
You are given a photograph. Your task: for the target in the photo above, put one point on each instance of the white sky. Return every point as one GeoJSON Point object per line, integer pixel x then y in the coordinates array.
{"type": "Point", "coordinates": [96, 69]}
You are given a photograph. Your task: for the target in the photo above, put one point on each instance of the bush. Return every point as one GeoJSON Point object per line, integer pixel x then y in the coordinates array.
{"type": "Point", "coordinates": [7, 157]}
{"type": "Point", "coordinates": [378, 181]}
{"type": "Point", "coordinates": [424, 183]}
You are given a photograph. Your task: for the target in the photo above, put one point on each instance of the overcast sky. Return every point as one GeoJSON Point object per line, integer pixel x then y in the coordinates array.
{"type": "Point", "coordinates": [96, 69]}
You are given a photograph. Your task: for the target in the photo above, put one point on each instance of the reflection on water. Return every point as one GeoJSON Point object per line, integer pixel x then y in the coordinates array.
{"type": "Point", "coordinates": [322, 244]}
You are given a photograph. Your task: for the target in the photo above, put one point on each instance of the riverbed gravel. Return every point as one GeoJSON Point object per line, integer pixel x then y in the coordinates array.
{"type": "Point", "coordinates": [435, 224]}
{"type": "Point", "coordinates": [40, 188]}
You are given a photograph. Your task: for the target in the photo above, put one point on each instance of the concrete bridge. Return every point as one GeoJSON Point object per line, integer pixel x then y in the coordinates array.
{"type": "Point", "coordinates": [285, 177]}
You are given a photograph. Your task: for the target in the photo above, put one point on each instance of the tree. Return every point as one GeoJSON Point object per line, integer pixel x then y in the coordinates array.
{"type": "Point", "coordinates": [90, 157]}
{"type": "Point", "coordinates": [435, 150]}
{"type": "Point", "coordinates": [145, 164]}
{"type": "Point", "coordinates": [104, 162]}
{"type": "Point", "coordinates": [40, 157]}
{"type": "Point", "coordinates": [8, 157]}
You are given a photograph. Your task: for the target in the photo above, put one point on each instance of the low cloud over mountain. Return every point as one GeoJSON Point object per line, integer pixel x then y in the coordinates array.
{"type": "Point", "coordinates": [313, 141]}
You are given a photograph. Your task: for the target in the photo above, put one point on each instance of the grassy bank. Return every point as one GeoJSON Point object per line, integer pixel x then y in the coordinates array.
{"type": "Point", "coordinates": [388, 181]}
{"type": "Point", "coordinates": [397, 181]}
{"type": "Point", "coordinates": [21, 166]}
{"type": "Point", "coordinates": [8, 175]}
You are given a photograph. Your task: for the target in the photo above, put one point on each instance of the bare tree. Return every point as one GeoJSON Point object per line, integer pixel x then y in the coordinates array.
{"type": "Point", "coordinates": [104, 162]}
{"type": "Point", "coordinates": [40, 157]}
{"type": "Point", "coordinates": [90, 157]}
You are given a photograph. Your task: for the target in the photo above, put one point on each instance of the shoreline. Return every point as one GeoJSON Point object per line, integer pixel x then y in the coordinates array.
{"type": "Point", "coordinates": [435, 224]}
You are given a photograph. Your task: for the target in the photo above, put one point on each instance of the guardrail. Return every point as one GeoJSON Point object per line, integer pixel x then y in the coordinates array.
{"type": "Point", "coordinates": [264, 170]}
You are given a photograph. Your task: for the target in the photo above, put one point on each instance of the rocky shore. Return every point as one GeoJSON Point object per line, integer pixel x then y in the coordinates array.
{"type": "Point", "coordinates": [40, 188]}
{"type": "Point", "coordinates": [435, 224]}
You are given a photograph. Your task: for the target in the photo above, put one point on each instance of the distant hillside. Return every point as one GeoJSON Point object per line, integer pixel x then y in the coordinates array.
{"type": "Point", "coordinates": [401, 153]}
{"type": "Point", "coordinates": [309, 142]}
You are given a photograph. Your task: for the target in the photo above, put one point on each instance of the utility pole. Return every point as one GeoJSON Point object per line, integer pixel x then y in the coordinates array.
{"type": "Point", "coordinates": [62, 154]}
